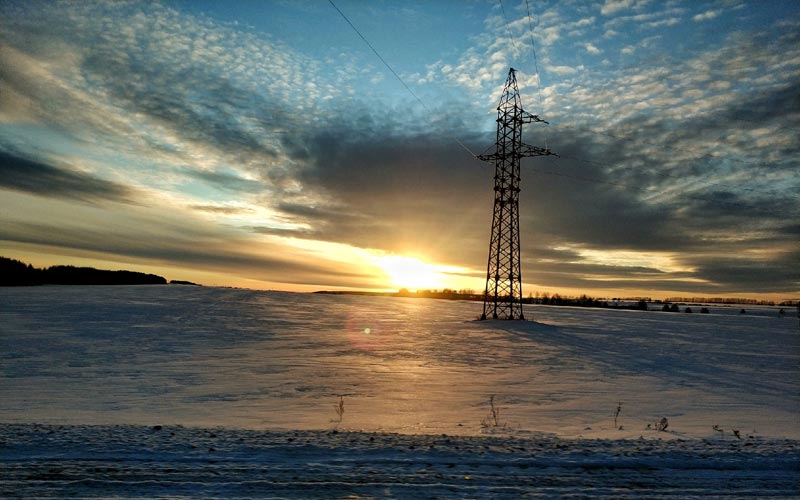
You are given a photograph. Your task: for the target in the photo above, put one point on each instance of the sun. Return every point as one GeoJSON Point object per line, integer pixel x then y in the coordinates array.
{"type": "Point", "coordinates": [412, 273]}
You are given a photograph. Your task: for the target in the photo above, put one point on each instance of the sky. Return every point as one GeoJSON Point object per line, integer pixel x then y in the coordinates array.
{"type": "Point", "coordinates": [266, 145]}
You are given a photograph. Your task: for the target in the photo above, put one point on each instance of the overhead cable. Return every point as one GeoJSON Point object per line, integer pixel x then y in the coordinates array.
{"type": "Point", "coordinates": [508, 29]}
{"type": "Point", "coordinates": [394, 72]}
{"type": "Point", "coordinates": [535, 61]}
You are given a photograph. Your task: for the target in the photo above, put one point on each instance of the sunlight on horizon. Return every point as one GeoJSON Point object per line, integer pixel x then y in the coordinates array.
{"type": "Point", "coordinates": [415, 274]}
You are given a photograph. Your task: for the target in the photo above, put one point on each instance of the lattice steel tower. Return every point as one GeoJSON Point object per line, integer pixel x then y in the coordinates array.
{"type": "Point", "coordinates": [502, 298]}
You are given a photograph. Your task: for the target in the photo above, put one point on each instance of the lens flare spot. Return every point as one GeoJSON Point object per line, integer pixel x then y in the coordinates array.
{"type": "Point", "coordinates": [367, 332]}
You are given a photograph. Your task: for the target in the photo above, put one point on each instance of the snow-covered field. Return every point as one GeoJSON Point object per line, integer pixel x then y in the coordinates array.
{"type": "Point", "coordinates": [179, 392]}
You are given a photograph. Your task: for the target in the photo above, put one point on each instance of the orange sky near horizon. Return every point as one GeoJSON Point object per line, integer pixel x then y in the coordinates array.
{"type": "Point", "coordinates": [383, 283]}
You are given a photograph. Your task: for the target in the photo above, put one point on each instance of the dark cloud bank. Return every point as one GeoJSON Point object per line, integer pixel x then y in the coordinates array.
{"type": "Point", "coordinates": [35, 177]}
{"type": "Point", "coordinates": [404, 192]}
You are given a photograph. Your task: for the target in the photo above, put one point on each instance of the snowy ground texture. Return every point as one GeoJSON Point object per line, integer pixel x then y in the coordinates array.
{"type": "Point", "coordinates": [186, 392]}
{"type": "Point", "coordinates": [177, 462]}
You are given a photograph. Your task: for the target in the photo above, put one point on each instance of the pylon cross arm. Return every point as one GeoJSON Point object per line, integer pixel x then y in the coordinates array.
{"type": "Point", "coordinates": [529, 118]}
{"type": "Point", "coordinates": [528, 150]}
{"type": "Point", "coordinates": [521, 153]}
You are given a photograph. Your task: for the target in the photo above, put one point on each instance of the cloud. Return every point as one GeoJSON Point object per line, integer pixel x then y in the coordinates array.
{"type": "Point", "coordinates": [218, 209]}
{"type": "Point", "coordinates": [654, 18]}
{"type": "Point", "coordinates": [750, 275]}
{"type": "Point", "coordinates": [158, 87]}
{"type": "Point", "coordinates": [562, 70]}
{"type": "Point", "coordinates": [590, 48]}
{"type": "Point", "coordinates": [31, 176]}
{"type": "Point", "coordinates": [226, 181]}
{"type": "Point", "coordinates": [671, 21]}
{"type": "Point", "coordinates": [706, 16]}
{"type": "Point", "coordinates": [614, 6]}
{"type": "Point", "coordinates": [391, 191]}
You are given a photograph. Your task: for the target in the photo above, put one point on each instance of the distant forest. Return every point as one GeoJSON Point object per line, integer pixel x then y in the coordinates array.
{"type": "Point", "coordinates": [728, 300]}
{"type": "Point", "coordinates": [17, 273]}
{"type": "Point", "coordinates": [635, 303]}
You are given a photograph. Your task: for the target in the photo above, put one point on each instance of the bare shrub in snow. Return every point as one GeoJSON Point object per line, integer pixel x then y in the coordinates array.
{"type": "Point", "coordinates": [661, 425]}
{"type": "Point", "coordinates": [493, 418]}
{"type": "Point", "coordinates": [339, 408]}
{"type": "Point", "coordinates": [721, 431]}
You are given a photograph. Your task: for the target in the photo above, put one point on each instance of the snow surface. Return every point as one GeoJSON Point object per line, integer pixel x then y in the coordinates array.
{"type": "Point", "coordinates": [177, 462]}
{"type": "Point", "coordinates": [244, 387]}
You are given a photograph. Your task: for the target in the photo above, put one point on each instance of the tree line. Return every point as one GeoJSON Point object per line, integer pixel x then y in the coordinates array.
{"type": "Point", "coordinates": [637, 303]}
{"type": "Point", "coordinates": [728, 300]}
{"type": "Point", "coordinates": [17, 273]}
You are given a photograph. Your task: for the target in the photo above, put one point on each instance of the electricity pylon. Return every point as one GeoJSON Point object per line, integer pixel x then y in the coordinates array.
{"type": "Point", "coordinates": [502, 298]}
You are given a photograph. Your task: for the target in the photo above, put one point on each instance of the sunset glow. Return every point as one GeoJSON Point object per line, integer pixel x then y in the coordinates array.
{"type": "Point", "coordinates": [412, 273]}
{"type": "Point", "coordinates": [265, 145]}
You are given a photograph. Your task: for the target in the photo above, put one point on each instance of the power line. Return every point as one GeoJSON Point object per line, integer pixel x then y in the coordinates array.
{"type": "Point", "coordinates": [394, 72]}
{"type": "Point", "coordinates": [535, 61]}
{"type": "Point", "coordinates": [508, 29]}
